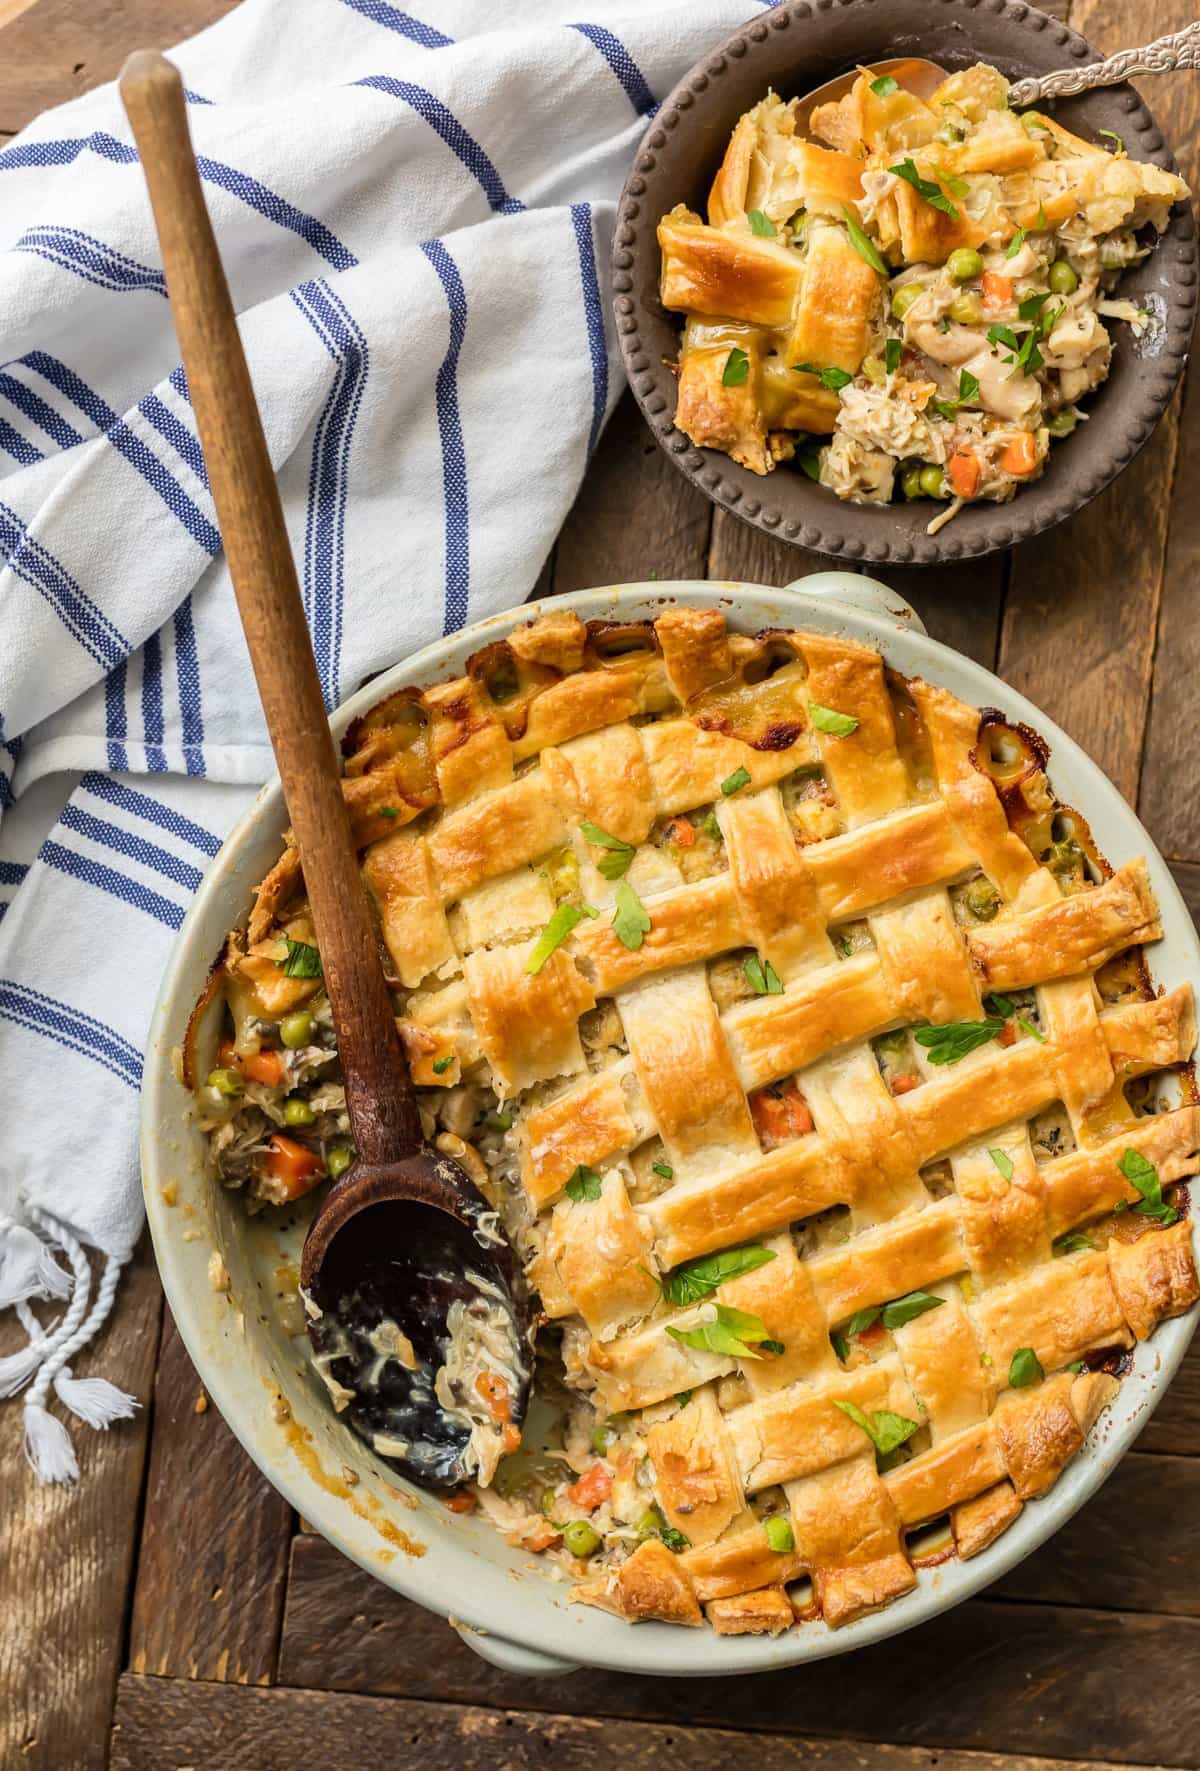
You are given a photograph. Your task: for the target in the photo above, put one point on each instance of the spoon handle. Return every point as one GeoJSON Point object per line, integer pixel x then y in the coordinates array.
{"type": "Point", "coordinates": [379, 1094]}
{"type": "Point", "coordinates": [1179, 49]}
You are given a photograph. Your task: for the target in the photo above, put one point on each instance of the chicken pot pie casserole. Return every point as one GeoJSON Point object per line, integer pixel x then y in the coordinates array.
{"type": "Point", "coordinates": [916, 309]}
{"type": "Point", "coordinates": [804, 1045]}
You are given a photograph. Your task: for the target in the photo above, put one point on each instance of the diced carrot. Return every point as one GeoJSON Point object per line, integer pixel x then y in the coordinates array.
{"type": "Point", "coordinates": [263, 1066]}
{"type": "Point", "coordinates": [683, 832]}
{"type": "Point", "coordinates": [870, 1335]}
{"type": "Point", "coordinates": [1019, 456]}
{"type": "Point", "coordinates": [492, 1387]}
{"type": "Point", "coordinates": [997, 290]}
{"type": "Point", "coordinates": [778, 1117]}
{"type": "Point", "coordinates": [461, 1501]}
{"type": "Point", "coordinates": [294, 1165]}
{"type": "Point", "coordinates": [903, 1085]}
{"type": "Point", "coordinates": [511, 1435]}
{"type": "Point", "coordinates": [542, 1537]}
{"type": "Point", "coordinates": [592, 1488]}
{"type": "Point", "coordinates": [963, 472]}
{"type": "Point", "coordinates": [1007, 1034]}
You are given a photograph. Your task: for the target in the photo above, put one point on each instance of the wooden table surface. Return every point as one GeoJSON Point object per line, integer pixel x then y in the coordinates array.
{"type": "Point", "coordinates": [171, 1611]}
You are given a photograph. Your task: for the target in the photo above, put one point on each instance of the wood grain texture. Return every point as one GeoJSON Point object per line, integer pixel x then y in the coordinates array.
{"type": "Point", "coordinates": [56, 49]}
{"type": "Point", "coordinates": [66, 1555]}
{"type": "Point", "coordinates": [212, 1560]}
{"type": "Point", "coordinates": [227, 1729]}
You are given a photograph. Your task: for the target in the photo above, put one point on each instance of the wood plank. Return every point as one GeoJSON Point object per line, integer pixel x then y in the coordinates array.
{"type": "Point", "coordinates": [960, 605]}
{"type": "Point", "coordinates": [66, 1554]}
{"type": "Point", "coordinates": [56, 49]}
{"type": "Point", "coordinates": [740, 551]}
{"type": "Point", "coordinates": [635, 515]}
{"type": "Point", "coordinates": [1083, 606]}
{"type": "Point", "coordinates": [212, 1563]}
{"type": "Point", "coordinates": [227, 1729]}
{"type": "Point", "coordinates": [1075, 1670]}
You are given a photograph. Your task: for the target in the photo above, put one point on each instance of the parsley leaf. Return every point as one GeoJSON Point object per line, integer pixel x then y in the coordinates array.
{"type": "Point", "coordinates": [441, 1065]}
{"type": "Point", "coordinates": [760, 224]}
{"type": "Point", "coordinates": [825, 719]}
{"type": "Point", "coordinates": [664, 1169]}
{"type": "Point", "coordinates": [1016, 243]}
{"type": "Point", "coordinates": [1042, 223]}
{"type": "Point", "coordinates": [809, 458]}
{"type": "Point", "coordinates": [908, 1308]}
{"type": "Point", "coordinates": [884, 86]}
{"type": "Point", "coordinates": [968, 386]}
{"type": "Point", "coordinates": [731, 783]}
{"type": "Point", "coordinates": [302, 961]}
{"type": "Point", "coordinates": [1111, 135]}
{"type": "Point", "coordinates": [772, 1347]}
{"type": "Point", "coordinates": [762, 976]}
{"type": "Point", "coordinates": [690, 1283]}
{"type": "Point", "coordinates": [1032, 305]}
{"type": "Point", "coordinates": [1003, 1162]}
{"type": "Point", "coordinates": [893, 350]}
{"type": "Point", "coordinates": [1028, 1027]}
{"type": "Point", "coordinates": [389, 811]}
{"type": "Point", "coordinates": [925, 188]}
{"type": "Point", "coordinates": [1142, 1174]}
{"type": "Point", "coordinates": [1078, 1366]}
{"type": "Point", "coordinates": [583, 1184]}
{"type": "Point", "coordinates": [884, 1429]}
{"type": "Point", "coordinates": [833, 379]}
{"type": "Point", "coordinates": [998, 1005]}
{"type": "Point", "coordinates": [683, 1397]}
{"type": "Point", "coordinates": [1072, 1243]}
{"type": "Point", "coordinates": [1026, 1369]}
{"type": "Point", "coordinates": [555, 933]}
{"type": "Point", "coordinates": [1003, 335]}
{"type": "Point", "coordinates": [841, 1346]}
{"type": "Point", "coordinates": [862, 243]}
{"type": "Point", "coordinates": [863, 1319]}
{"type": "Point", "coordinates": [737, 367]}
{"type": "Point", "coordinates": [631, 920]}
{"type": "Point", "coordinates": [733, 1333]}
{"type": "Point", "coordinates": [952, 1040]}
{"type": "Point", "coordinates": [614, 863]}
{"type": "Point", "coordinates": [674, 1540]}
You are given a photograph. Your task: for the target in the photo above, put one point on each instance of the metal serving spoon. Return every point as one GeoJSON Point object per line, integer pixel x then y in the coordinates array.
{"type": "Point", "coordinates": [404, 1234]}
{"type": "Point", "coordinates": [1179, 49]}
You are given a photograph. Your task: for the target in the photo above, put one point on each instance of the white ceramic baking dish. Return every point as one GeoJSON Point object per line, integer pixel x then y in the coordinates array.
{"type": "Point", "coordinates": [503, 1601]}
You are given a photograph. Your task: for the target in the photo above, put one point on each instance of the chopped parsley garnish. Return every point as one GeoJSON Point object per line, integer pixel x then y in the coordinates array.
{"type": "Point", "coordinates": [664, 1169]}
{"type": "Point", "coordinates": [1003, 1162]}
{"type": "Point", "coordinates": [564, 919]}
{"type": "Point", "coordinates": [631, 919]}
{"type": "Point", "coordinates": [840, 1345]}
{"type": "Point", "coordinates": [614, 863]}
{"type": "Point", "coordinates": [1031, 307]}
{"type": "Point", "coordinates": [1111, 135]}
{"type": "Point", "coordinates": [583, 1184]}
{"type": "Point", "coordinates": [709, 827]}
{"type": "Point", "coordinates": [862, 243]}
{"type": "Point", "coordinates": [1042, 223]}
{"type": "Point", "coordinates": [731, 783]}
{"type": "Point", "coordinates": [441, 1065]}
{"type": "Point", "coordinates": [997, 1005]}
{"type": "Point", "coordinates": [895, 1314]}
{"type": "Point", "coordinates": [771, 1347]}
{"type": "Point", "coordinates": [884, 1429]}
{"type": "Point", "coordinates": [1074, 1242]}
{"type": "Point", "coordinates": [925, 188]}
{"type": "Point", "coordinates": [760, 224]}
{"type": "Point", "coordinates": [1143, 1175]}
{"type": "Point", "coordinates": [864, 1319]}
{"type": "Point", "coordinates": [833, 379]}
{"type": "Point", "coordinates": [884, 86]}
{"type": "Point", "coordinates": [809, 458]}
{"type": "Point", "coordinates": [952, 1040]}
{"type": "Point", "coordinates": [826, 719]}
{"type": "Point", "coordinates": [1016, 243]}
{"type": "Point", "coordinates": [1028, 1027]}
{"type": "Point", "coordinates": [683, 1397]}
{"type": "Point", "coordinates": [779, 1532]}
{"type": "Point", "coordinates": [734, 1333]}
{"type": "Point", "coordinates": [690, 1283]}
{"type": "Point", "coordinates": [1003, 335]}
{"type": "Point", "coordinates": [1026, 1369]}
{"type": "Point", "coordinates": [893, 350]}
{"type": "Point", "coordinates": [674, 1540]}
{"type": "Point", "coordinates": [389, 812]}
{"type": "Point", "coordinates": [968, 386]}
{"type": "Point", "coordinates": [737, 367]}
{"type": "Point", "coordinates": [1077, 1367]}
{"type": "Point", "coordinates": [301, 961]}
{"type": "Point", "coordinates": [762, 976]}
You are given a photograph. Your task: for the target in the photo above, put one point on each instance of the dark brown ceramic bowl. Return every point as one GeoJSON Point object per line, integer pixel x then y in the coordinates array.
{"type": "Point", "coordinates": [794, 48]}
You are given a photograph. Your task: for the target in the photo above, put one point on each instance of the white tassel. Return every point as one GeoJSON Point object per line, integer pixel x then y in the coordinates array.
{"type": "Point", "coordinates": [28, 1269]}
{"type": "Point", "coordinates": [16, 1369]}
{"type": "Point", "coordinates": [48, 1446]}
{"type": "Point", "coordinates": [93, 1399]}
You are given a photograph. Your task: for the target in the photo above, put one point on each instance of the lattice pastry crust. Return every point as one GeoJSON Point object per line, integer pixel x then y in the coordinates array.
{"type": "Point", "coordinates": [747, 1074]}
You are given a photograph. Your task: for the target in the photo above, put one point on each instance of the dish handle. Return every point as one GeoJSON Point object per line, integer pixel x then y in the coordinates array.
{"type": "Point", "coordinates": [512, 1657]}
{"type": "Point", "coordinates": [866, 595]}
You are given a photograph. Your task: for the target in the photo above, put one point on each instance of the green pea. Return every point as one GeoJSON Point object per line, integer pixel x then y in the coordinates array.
{"type": "Point", "coordinates": [580, 1540]}
{"type": "Point", "coordinates": [296, 1030]}
{"type": "Point", "coordinates": [967, 309]}
{"type": "Point", "coordinates": [297, 1111]}
{"type": "Point", "coordinates": [779, 1534]}
{"type": "Point", "coordinates": [903, 299]}
{"type": "Point", "coordinates": [549, 1503]}
{"type": "Point", "coordinates": [338, 1158]}
{"type": "Point", "coordinates": [1062, 423]}
{"type": "Point", "coordinates": [910, 483]}
{"type": "Point", "coordinates": [965, 264]}
{"type": "Point", "coordinates": [982, 900]}
{"type": "Point", "coordinates": [226, 1082]}
{"type": "Point", "coordinates": [1062, 278]}
{"type": "Point", "coordinates": [602, 1437]}
{"type": "Point", "coordinates": [933, 482]}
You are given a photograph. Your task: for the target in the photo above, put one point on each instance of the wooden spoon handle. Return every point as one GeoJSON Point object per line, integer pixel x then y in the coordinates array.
{"type": "Point", "coordinates": [379, 1093]}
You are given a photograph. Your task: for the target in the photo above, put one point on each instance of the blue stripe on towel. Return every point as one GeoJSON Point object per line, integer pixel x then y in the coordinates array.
{"type": "Point", "coordinates": [593, 312]}
{"type": "Point", "coordinates": [454, 454]}
{"type": "Point", "coordinates": [80, 616]}
{"type": "Point", "coordinates": [380, 13]}
{"type": "Point", "coordinates": [453, 134]}
{"type": "Point", "coordinates": [71, 1027]}
{"type": "Point", "coordinates": [174, 431]}
{"type": "Point", "coordinates": [187, 677]}
{"type": "Point", "coordinates": [129, 799]}
{"type": "Point", "coordinates": [13, 443]}
{"type": "Point", "coordinates": [152, 704]}
{"type": "Point", "coordinates": [107, 879]}
{"type": "Point", "coordinates": [134, 848]}
{"type": "Point", "coordinates": [623, 66]}
{"type": "Point", "coordinates": [116, 718]}
{"type": "Point", "coordinates": [90, 258]}
{"type": "Point", "coordinates": [34, 407]}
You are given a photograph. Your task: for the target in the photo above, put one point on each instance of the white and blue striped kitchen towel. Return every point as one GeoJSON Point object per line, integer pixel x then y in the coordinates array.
{"type": "Point", "coordinates": [415, 215]}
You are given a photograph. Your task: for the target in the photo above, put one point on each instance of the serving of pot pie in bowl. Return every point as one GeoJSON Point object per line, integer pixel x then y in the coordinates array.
{"type": "Point", "coordinates": [910, 324]}
{"type": "Point", "coordinates": [802, 1040]}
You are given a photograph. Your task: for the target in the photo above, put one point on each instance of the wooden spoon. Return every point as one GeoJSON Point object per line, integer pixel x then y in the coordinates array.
{"type": "Point", "coordinates": [404, 1238]}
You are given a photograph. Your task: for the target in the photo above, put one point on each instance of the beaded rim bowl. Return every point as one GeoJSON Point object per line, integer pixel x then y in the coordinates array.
{"type": "Point", "coordinates": [794, 48]}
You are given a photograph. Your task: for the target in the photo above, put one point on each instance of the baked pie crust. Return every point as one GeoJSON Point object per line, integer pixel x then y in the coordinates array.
{"type": "Point", "coordinates": [880, 858]}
